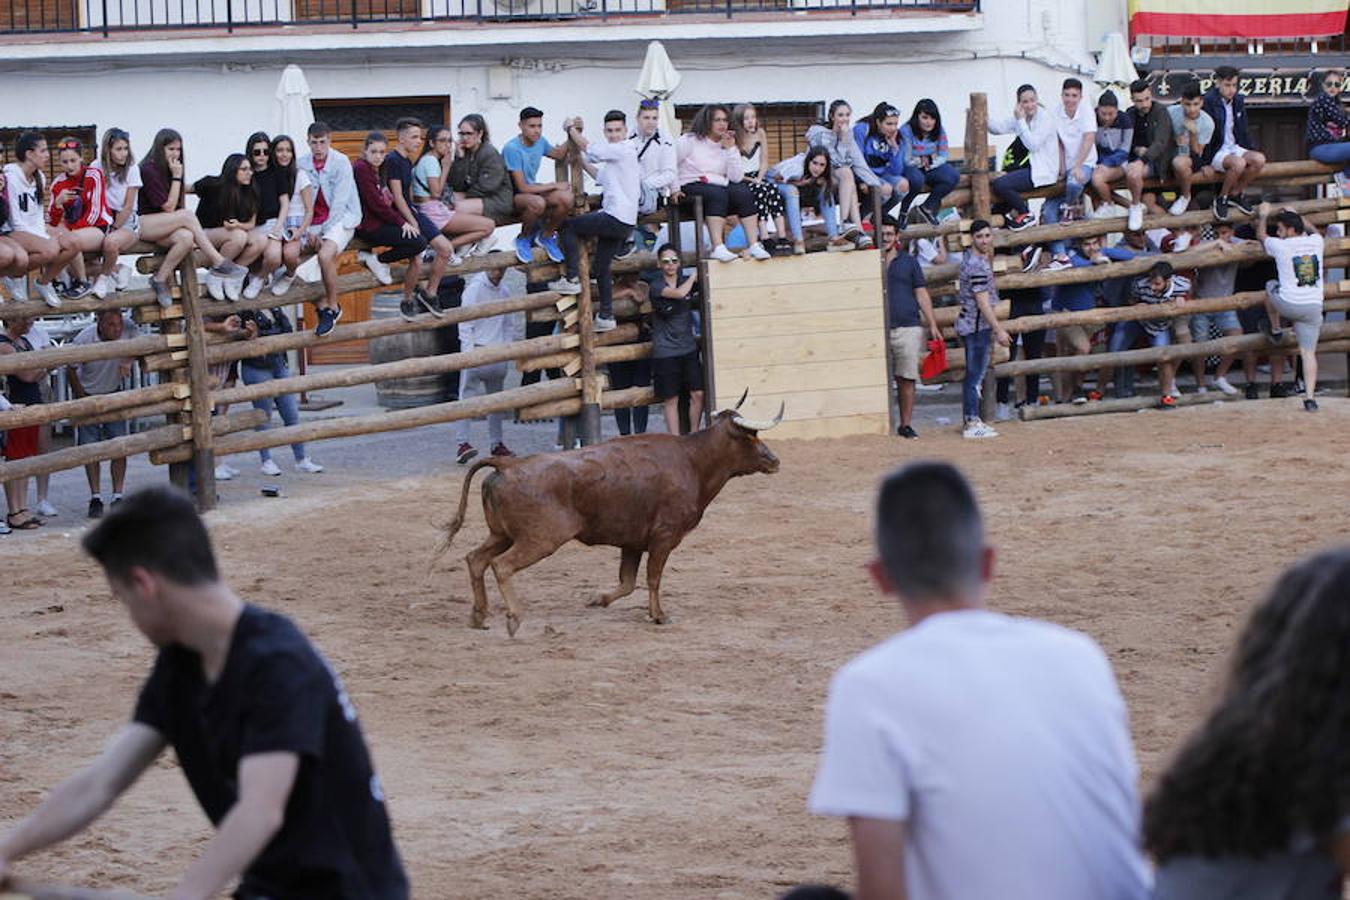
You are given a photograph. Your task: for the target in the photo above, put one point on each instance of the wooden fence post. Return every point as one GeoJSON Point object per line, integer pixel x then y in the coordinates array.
{"type": "Point", "coordinates": [977, 162]}
{"type": "Point", "coordinates": [705, 318]}
{"type": "Point", "coordinates": [590, 384]}
{"type": "Point", "coordinates": [199, 385]}
{"type": "Point", "coordinates": [892, 390]}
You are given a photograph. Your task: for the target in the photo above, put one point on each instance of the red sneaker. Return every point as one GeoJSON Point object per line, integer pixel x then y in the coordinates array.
{"type": "Point", "coordinates": [500, 449]}
{"type": "Point", "coordinates": [1094, 395]}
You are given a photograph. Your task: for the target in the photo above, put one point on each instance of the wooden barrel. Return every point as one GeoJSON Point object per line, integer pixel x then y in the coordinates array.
{"type": "Point", "coordinates": [404, 393]}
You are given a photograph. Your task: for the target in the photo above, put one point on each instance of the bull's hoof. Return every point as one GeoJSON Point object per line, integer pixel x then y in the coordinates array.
{"type": "Point", "coordinates": [512, 625]}
{"type": "Point", "coordinates": [478, 622]}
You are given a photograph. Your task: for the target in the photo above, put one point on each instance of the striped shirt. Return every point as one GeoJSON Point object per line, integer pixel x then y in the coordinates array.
{"type": "Point", "coordinates": [976, 275]}
{"type": "Point", "coordinates": [1142, 292]}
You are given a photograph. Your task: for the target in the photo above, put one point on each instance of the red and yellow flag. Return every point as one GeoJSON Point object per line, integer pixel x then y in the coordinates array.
{"type": "Point", "coordinates": [1238, 18]}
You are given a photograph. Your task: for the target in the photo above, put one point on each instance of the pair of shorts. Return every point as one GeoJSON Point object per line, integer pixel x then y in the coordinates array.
{"type": "Point", "coordinates": [427, 228]}
{"type": "Point", "coordinates": [1196, 163]}
{"type": "Point", "coordinates": [334, 234]}
{"type": "Point", "coordinates": [907, 350]}
{"type": "Point", "coordinates": [1113, 160]}
{"type": "Point", "coordinates": [1203, 324]}
{"type": "Point", "coordinates": [1223, 153]}
{"type": "Point", "coordinates": [1307, 317]}
{"type": "Point", "coordinates": [436, 212]}
{"type": "Point", "coordinates": [21, 443]}
{"type": "Point", "coordinates": [1150, 166]}
{"type": "Point", "coordinates": [104, 431]}
{"type": "Point", "coordinates": [673, 375]}
{"type": "Point", "coordinates": [1078, 337]}
{"type": "Point", "coordinates": [133, 223]}
{"type": "Point", "coordinates": [265, 229]}
{"type": "Point", "coordinates": [721, 200]}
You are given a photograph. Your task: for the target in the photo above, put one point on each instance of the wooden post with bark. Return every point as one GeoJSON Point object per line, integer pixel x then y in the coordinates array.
{"type": "Point", "coordinates": [590, 385]}
{"type": "Point", "coordinates": [199, 390]}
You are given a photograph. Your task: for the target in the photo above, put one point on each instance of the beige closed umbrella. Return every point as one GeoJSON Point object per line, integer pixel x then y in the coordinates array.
{"type": "Point", "coordinates": [658, 81]}
{"type": "Point", "coordinates": [294, 112]}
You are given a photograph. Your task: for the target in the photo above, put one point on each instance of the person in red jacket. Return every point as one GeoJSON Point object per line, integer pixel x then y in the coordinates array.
{"type": "Point", "coordinates": [79, 206]}
{"type": "Point", "coordinates": [383, 226]}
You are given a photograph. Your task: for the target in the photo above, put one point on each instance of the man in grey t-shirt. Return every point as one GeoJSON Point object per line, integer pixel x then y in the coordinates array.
{"type": "Point", "coordinates": [97, 377]}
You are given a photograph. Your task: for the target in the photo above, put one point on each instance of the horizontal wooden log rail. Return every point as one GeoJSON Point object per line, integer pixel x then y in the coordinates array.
{"type": "Point", "coordinates": [1331, 331]}
{"type": "Point", "coordinates": [86, 407]}
{"type": "Point", "coordinates": [607, 352]}
{"type": "Point", "coordinates": [627, 398]}
{"type": "Point", "coordinates": [148, 411]}
{"type": "Point", "coordinates": [1105, 315]}
{"type": "Point", "coordinates": [74, 354]}
{"type": "Point", "coordinates": [118, 448]}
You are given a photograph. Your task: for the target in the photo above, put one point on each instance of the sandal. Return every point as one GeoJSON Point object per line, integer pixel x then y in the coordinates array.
{"type": "Point", "coordinates": [26, 520]}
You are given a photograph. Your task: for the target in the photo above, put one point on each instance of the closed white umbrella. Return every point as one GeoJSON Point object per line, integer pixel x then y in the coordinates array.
{"type": "Point", "coordinates": [1115, 70]}
{"type": "Point", "coordinates": [658, 81]}
{"type": "Point", "coordinates": [294, 113]}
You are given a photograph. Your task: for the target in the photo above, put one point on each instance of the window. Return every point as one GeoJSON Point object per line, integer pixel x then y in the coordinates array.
{"type": "Point", "coordinates": [85, 134]}
{"type": "Point", "coordinates": [39, 15]}
{"type": "Point", "coordinates": [352, 120]}
{"type": "Point", "coordinates": [785, 124]}
{"type": "Point", "coordinates": [363, 10]}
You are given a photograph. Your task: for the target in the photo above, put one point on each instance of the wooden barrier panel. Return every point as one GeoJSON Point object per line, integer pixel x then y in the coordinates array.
{"type": "Point", "coordinates": [807, 331]}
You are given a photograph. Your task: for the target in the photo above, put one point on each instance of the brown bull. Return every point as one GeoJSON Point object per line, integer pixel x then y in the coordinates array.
{"type": "Point", "coordinates": [640, 494]}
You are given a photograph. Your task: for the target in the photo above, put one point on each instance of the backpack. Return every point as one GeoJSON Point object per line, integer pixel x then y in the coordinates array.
{"type": "Point", "coordinates": [1017, 156]}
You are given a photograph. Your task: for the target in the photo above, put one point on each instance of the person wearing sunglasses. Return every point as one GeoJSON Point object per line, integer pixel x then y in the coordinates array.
{"type": "Point", "coordinates": [478, 183]}
{"type": "Point", "coordinates": [79, 210]}
{"type": "Point", "coordinates": [273, 187]}
{"type": "Point", "coordinates": [1329, 127]}
{"type": "Point", "coordinates": [469, 233]}
{"type": "Point", "coordinates": [676, 368]}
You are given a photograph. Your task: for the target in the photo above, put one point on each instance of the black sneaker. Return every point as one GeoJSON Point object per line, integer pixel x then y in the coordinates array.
{"type": "Point", "coordinates": [1031, 255]}
{"type": "Point", "coordinates": [77, 290]}
{"type": "Point", "coordinates": [407, 308]}
{"type": "Point", "coordinates": [1309, 405]}
{"type": "Point", "coordinates": [428, 303]}
{"type": "Point", "coordinates": [907, 431]}
{"type": "Point", "coordinates": [327, 319]}
{"type": "Point", "coordinates": [627, 250]}
{"type": "Point", "coordinates": [928, 215]}
{"type": "Point", "coordinates": [1252, 392]}
{"type": "Point", "coordinates": [1242, 203]}
{"type": "Point", "coordinates": [1221, 208]}
{"type": "Point", "coordinates": [95, 508]}
{"type": "Point", "coordinates": [1273, 335]}
{"type": "Point", "coordinates": [1278, 391]}
{"type": "Point", "coordinates": [1021, 221]}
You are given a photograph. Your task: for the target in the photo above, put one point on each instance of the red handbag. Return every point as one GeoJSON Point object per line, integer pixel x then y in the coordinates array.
{"type": "Point", "coordinates": [935, 363]}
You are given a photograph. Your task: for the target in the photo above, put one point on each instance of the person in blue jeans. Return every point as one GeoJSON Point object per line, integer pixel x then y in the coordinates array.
{"type": "Point", "coordinates": [806, 179]}
{"type": "Point", "coordinates": [1328, 130]}
{"type": "Point", "coordinates": [268, 367]}
{"type": "Point", "coordinates": [977, 325]}
{"type": "Point", "coordinates": [878, 136]}
{"type": "Point", "coordinates": [924, 143]}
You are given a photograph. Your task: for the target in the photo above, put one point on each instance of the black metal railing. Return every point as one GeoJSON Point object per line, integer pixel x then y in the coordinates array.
{"type": "Point", "coordinates": [107, 17]}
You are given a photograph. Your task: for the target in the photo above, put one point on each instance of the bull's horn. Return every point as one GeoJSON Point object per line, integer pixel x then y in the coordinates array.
{"type": "Point", "coordinates": [744, 394]}
{"type": "Point", "coordinates": [754, 425]}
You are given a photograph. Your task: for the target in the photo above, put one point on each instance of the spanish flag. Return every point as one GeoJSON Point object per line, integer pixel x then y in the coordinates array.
{"type": "Point", "coordinates": [1238, 18]}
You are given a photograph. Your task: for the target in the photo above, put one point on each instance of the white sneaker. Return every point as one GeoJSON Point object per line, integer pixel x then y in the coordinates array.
{"type": "Point", "coordinates": [48, 294]}
{"type": "Point", "coordinates": [483, 247]}
{"type": "Point", "coordinates": [975, 429]}
{"type": "Point", "coordinates": [1058, 263]}
{"type": "Point", "coordinates": [224, 473]}
{"type": "Point", "coordinates": [1003, 413]}
{"type": "Point", "coordinates": [1174, 393]}
{"type": "Point", "coordinates": [45, 509]}
{"type": "Point", "coordinates": [722, 254]}
{"type": "Point", "coordinates": [1202, 390]}
{"type": "Point", "coordinates": [234, 288]}
{"type": "Point", "coordinates": [17, 288]}
{"type": "Point", "coordinates": [1179, 206]}
{"type": "Point", "coordinates": [252, 287]}
{"type": "Point", "coordinates": [1136, 220]}
{"type": "Point", "coordinates": [758, 252]}
{"type": "Point", "coordinates": [308, 466]}
{"type": "Point", "coordinates": [565, 285]}
{"type": "Point", "coordinates": [1223, 385]}
{"type": "Point", "coordinates": [103, 286]}
{"type": "Point", "coordinates": [377, 268]}
{"type": "Point", "coordinates": [234, 473]}
{"type": "Point", "coordinates": [122, 277]}
{"type": "Point", "coordinates": [309, 270]}
{"type": "Point", "coordinates": [428, 256]}
{"type": "Point", "coordinates": [270, 467]}
{"type": "Point", "coordinates": [455, 259]}
{"type": "Point", "coordinates": [282, 283]}
{"type": "Point", "coordinates": [605, 323]}
{"type": "Point", "coordinates": [215, 286]}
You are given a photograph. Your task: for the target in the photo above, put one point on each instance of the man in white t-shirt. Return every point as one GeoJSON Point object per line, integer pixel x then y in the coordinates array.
{"type": "Point", "coordinates": [975, 755]}
{"type": "Point", "coordinates": [1076, 124]}
{"type": "Point", "coordinates": [1296, 294]}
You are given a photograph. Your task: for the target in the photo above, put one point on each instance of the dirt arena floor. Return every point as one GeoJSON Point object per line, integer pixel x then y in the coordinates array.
{"type": "Point", "coordinates": [599, 756]}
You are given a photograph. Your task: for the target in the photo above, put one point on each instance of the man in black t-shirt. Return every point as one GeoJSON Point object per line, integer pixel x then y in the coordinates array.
{"type": "Point", "coordinates": [263, 729]}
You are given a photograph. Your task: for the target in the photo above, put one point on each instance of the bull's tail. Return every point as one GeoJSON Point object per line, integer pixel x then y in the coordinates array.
{"type": "Point", "coordinates": [452, 527]}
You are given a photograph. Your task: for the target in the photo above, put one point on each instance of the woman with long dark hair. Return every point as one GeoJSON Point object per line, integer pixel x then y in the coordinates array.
{"type": "Point", "coordinates": [709, 166]}
{"type": "Point", "coordinates": [273, 188]}
{"type": "Point", "coordinates": [805, 181]}
{"type": "Point", "coordinates": [227, 207]}
{"type": "Point", "coordinates": [466, 231]}
{"type": "Point", "coordinates": [478, 183]}
{"type": "Point", "coordinates": [878, 136]}
{"type": "Point", "coordinates": [78, 210]}
{"type": "Point", "coordinates": [299, 210]}
{"type": "Point", "coordinates": [383, 226]}
{"type": "Point", "coordinates": [1257, 803]}
{"type": "Point", "coordinates": [849, 168]}
{"type": "Point", "coordinates": [926, 154]}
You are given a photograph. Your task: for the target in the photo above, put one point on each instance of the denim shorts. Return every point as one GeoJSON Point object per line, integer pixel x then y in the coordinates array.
{"type": "Point", "coordinates": [91, 434]}
{"type": "Point", "coordinates": [1203, 323]}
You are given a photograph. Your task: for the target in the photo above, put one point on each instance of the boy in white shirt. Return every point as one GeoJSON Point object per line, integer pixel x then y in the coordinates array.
{"type": "Point", "coordinates": [1296, 295]}
{"type": "Point", "coordinates": [1076, 125]}
{"type": "Point", "coordinates": [975, 754]}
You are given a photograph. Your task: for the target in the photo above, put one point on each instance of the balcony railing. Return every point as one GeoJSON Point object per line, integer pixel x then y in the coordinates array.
{"type": "Point", "coordinates": [107, 17]}
{"type": "Point", "coordinates": [1169, 46]}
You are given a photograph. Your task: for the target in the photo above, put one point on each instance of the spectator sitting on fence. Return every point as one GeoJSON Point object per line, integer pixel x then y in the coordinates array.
{"type": "Point", "coordinates": [1229, 152]}
{"type": "Point", "coordinates": [912, 320]}
{"type": "Point", "coordinates": [383, 225]}
{"type": "Point", "coordinates": [20, 443]}
{"type": "Point", "coordinates": [1296, 293]}
{"type": "Point", "coordinates": [883, 149]}
{"type": "Point", "coordinates": [270, 367]}
{"type": "Point", "coordinates": [926, 160]}
{"type": "Point", "coordinates": [977, 325]}
{"type": "Point", "coordinates": [13, 258]}
{"type": "Point", "coordinates": [656, 158]}
{"type": "Point", "coordinates": [1328, 131]}
{"type": "Point", "coordinates": [975, 755]}
{"type": "Point", "coordinates": [753, 143]}
{"type": "Point", "coordinates": [1035, 128]}
{"type": "Point", "coordinates": [1076, 126]}
{"type": "Point", "coordinates": [849, 169]}
{"type": "Point", "coordinates": [227, 207]}
{"type": "Point", "coordinates": [613, 163]}
{"type": "Point", "coordinates": [1115, 133]}
{"type": "Point", "coordinates": [100, 377]}
{"type": "Point", "coordinates": [121, 183]}
{"type": "Point", "coordinates": [483, 287]}
{"type": "Point", "coordinates": [710, 167]}
{"type": "Point", "coordinates": [79, 208]}
{"type": "Point", "coordinates": [1192, 130]}
{"type": "Point", "coordinates": [301, 207]}
{"type": "Point", "coordinates": [163, 220]}
{"type": "Point", "coordinates": [478, 182]}
{"type": "Point", "coordinates": [328, 228]}
{"type": "Point", "coordinates": [1254, 804]}
{"type": "Point", "coordinates": [273, 185]}
{"type": "Point", "coordinates": [633, 372]}
{"type": "Point", "coordinates": [805, 181]}
{"type": "Point", "coordinates": [466, 231]}
{"type": "Point", "coordinates": [1151, 147]}
{"type": "Point", "coordinates": [535, 200]}
{"type": "Point", "coordinates": [48, 250]}
{"type": "Point", "coordinates": [397, 173]}
{"type": "Point", "coordinates": [1160, 285]}
{"type": "Point", "coordinates": [676, 367]}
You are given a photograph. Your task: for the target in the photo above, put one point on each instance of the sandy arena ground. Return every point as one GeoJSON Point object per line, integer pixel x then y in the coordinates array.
{"type": "Point", "coordinates": [599, 756]}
